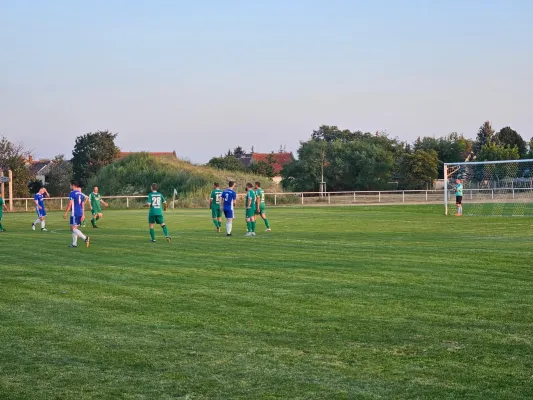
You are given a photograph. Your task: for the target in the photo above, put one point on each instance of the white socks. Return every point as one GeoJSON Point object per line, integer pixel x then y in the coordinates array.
{"type": "Point", "coordinates": [74, 239]}
{"type": "Point", "coordinates": [78, 233]}
{"type": "Point", "coordinates": [229, 226]}
{"type": "Point", "coordinates": [37, 221]}
{"type": "Point", "coordinates": [43, 224]}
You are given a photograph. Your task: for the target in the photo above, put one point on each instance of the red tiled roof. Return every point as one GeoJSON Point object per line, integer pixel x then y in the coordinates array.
{"type": "Point", "coordinates": [281, 159]}
{"type": "Point", "coordinates": [123, 154]}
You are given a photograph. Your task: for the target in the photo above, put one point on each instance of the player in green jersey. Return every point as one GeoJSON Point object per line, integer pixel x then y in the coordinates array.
{"type": "Point", "coordinates": [459, 197]}
{"type": "Point", "coordinates": [95, 199]}
{"type": "Point", "coordinates": [2, 208]}
{"type": "Point", "coordinates": [250, 209]}
{"type": "Point", "coordinates": [157, 203]}
{"type": "Point", "coordinates": [214, 205]}
{"type": "Point", "coordinates": [261, 206]}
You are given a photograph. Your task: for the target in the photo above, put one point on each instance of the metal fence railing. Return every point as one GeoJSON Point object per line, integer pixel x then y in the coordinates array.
{"type": "Point", "coordinates": [314, 198]}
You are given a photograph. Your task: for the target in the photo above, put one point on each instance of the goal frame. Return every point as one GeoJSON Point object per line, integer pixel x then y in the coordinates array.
{"type": "Point", "coordinates": [458, 164]}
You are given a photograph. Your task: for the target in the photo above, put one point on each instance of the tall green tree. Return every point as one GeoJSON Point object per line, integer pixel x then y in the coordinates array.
{"type": "Point", "coordinates": [59, 176]}
{"type": "Point", "coordinates": [13, 156]}
{"type": "Point", "coordinates": [484, 136]}
{"type": "Point", "coordinates": [419, 169]}
{"type": "Point", "coordinates": [509, 137]}
{"type": "Point", "coordinates": [496, 152]}
{"type": "Point", "coordinates": [93, 151]}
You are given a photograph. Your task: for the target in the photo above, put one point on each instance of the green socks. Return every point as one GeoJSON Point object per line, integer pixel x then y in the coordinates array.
{"type": "Point", "coordinates": [253, 226]}
{"type": "Point", "coordinates": [152, 234]}
{"type": "Point", "coordinates": [93, 222]}
{"type": "Point", "coordinates": [165, 230]}
{"type": "Point", "coordinates": [216, 223]}
{"type": "Point", "coordinates": [267, 224]}
{"type": "Point", "coordinates": [1, 227]}
{"type": "Point", "coordinates": [249, 226]}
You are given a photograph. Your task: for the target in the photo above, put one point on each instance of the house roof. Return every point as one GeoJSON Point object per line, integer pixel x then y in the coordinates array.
{"type": "Point", "coordinates": [280, 159]}
{"type": "Point", "coordinates": [37, 166]}
{"type": "Point", "coordinates": [123, 154]}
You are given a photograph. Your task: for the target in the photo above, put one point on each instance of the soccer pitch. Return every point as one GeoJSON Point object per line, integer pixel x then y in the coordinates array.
{"type": "Point", "coordinates": [336, 303]}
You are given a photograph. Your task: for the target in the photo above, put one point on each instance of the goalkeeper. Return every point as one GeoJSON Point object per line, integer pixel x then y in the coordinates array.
{"type": "Point", "coordinates": [459, 197]}
{"type": "Point", "coordinates": [157, 203]}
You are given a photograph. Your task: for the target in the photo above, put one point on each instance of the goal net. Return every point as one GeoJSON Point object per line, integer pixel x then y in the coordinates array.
{"type": "Point", "coordinates": [497, 188]}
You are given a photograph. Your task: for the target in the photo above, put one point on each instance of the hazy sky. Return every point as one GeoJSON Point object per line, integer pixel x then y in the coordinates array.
{"type": "Point", "coordinates": [202, 76]}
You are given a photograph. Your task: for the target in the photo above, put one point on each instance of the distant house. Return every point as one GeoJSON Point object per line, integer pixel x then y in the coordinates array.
{"type": "Point", "coordinates": [280, 160]}
{"type": "Point", "coordinates": [168, 154]}
{"type": "Point", "coordinates": [39, 168]}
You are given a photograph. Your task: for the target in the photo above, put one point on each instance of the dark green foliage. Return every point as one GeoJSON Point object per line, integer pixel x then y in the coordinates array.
{"type": "Point", "coordinates": [485, 135]}
{"type": "Point", "coordinates": [228, 163]}
{"type": "Point", "coordinates": [509, 137]}
{"type": "Point", "coordinates": [13, 156]}
{"type": "Point", "coordinates": [418, 169]}
{"type": "Point", "coordinates": [496, 152]}
{"type": "Point", "coordinates": [93, 151]}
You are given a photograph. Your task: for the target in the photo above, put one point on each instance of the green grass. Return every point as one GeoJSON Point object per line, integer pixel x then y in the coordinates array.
{"type": "Point", "coordinates": [335, 303]}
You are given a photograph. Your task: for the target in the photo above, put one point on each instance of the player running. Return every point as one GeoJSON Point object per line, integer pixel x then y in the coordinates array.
{"type": "Point", "coordinates": [2, 208]}
{"type": "Point", "coordinates": [214, 205]}
{"type": "Point", "coordinates": [261, 206]}
{"type": "Point", "coordinates": [39, 207]}
{"type": "Point", "coordinates": [76, 203]}
{"type": "Point", "coordinates": [250, 210]}
{"type": "Point", "coordinates": [229, 200]}
{"type": "Point", "coordinates": [158, 204]}
{"type": "Point", "coordinates": [95, 199]}
{"type": "Point", "coordinates": [459, 197]}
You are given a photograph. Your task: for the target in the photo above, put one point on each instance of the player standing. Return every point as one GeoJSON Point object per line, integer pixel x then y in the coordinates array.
{"type": "Point", "coordinates": [459, 197]}
{"type": "Point", "coordinates": [39, 207]}
{"type": "Point", "coordinates": [76, 203]}
{"type": "Point", "coordinates": [229, 200]}
{"type": "Point", "coordinates": [95, 199]}
{"type": "Point", "coordinates": [250, 210]}
{"type": "Point", "coordinates": [261, 205]}
{"type": "Point", "coordinates": [2, 208]}
{"type": "Point", "coordinates": [214, 205]}
{"type": "Point", "coordinates": [157, 203]}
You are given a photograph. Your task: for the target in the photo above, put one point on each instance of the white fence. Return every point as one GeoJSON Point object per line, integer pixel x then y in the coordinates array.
{"type": "Point", "coordinates": [313, 198]}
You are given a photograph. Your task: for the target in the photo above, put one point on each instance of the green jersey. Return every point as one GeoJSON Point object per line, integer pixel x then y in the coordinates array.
{"type": "Point", "coordinates": [250, 195]}
{"type": "Point", "coordinates": [216, 194]}
{"type": "Point", "coordinates": [1, 207]}
{"type": "Point", "coordinates": [156, 200]}
{"type": "Point", "coordinates": [95, 199]}
{"type": "Point", "coordinates": [261, 194]}
{"type": "Point", "coordinates": [459, 189]}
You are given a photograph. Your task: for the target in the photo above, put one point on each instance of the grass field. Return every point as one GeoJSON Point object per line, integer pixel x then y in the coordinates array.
{"type": "Point", "coordinates": [336, 303]}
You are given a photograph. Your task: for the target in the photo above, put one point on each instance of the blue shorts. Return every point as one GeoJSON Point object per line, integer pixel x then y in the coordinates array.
{"type": "Point", "coordinates": [40, 213]}
{"type": "Point", "coordinates": [75, 221]}
{"type": "Point", "coordinates": [228, 213]}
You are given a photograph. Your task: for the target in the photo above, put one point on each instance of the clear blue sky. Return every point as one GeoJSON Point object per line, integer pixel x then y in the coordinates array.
{"type": "Point", "coordinates": [201, 76]}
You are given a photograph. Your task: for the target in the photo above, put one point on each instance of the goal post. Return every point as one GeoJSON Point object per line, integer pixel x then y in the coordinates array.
{"type": "Point", "coordinates": [496, 188]}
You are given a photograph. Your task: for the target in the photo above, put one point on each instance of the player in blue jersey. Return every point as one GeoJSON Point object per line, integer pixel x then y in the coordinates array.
{"type": "Point", "coordinates": [76, 203]}
{"type": "Point", "coordinates": [39, 207]}
{"type": "Point", "coordinates": [229, 199]}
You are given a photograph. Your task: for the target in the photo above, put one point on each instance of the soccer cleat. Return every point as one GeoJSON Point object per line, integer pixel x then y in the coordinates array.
{"type": "Point", "coordinates": [87, 241]}
{"type": "Point", "coordinates": [169, 239]}
{"type": "Point", "coordinates": [228, 234]}
{"type": "Point", "coordinates": [71, 246]}
{"type": "Point", "coordinates": [95, 226]}
{"type": "Point", "coordinates": [249, 234]}
{"type": "Point", "coordinates": [218, 230]}
{"type": "Point", "coordinates": [32, 227]}
{"type": "Point", "coordinates": [44, 230]}
{"type": "Point", "coordinates": [2, 230]}
{"type": "Point", "coordinates": [152, 240]}
{"type": "Point", "coordinates": [253, 233]}
{"type": "Point", "coordinates": [268, 230]}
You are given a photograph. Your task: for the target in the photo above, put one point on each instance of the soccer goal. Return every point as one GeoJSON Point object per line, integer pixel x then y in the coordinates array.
{"type": "Point", "coordinates": [498, 188]}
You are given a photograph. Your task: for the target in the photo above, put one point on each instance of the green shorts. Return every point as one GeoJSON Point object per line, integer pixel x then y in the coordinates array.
{"type": "Point", "coordinates": [156, 219]}
{"type": "Point", "coordinates": [250, 212]}
{"type": "Point", "coordinates": [262, 208]}
{"type": "Point", "coordinates": [96, 211]}
{"type": "Point", "coordinates": [216, 212]}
